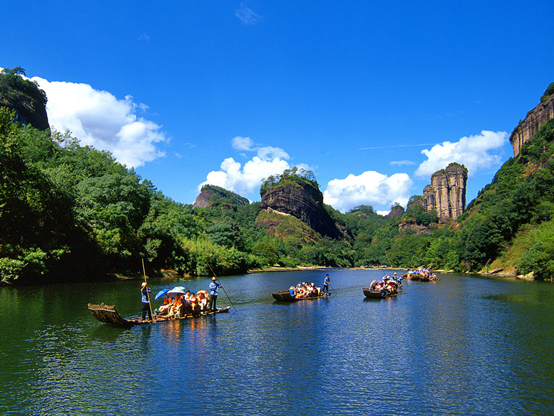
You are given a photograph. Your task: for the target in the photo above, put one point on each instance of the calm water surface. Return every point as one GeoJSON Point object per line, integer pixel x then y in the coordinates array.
{"type": "Point", "coordinates": [462, 345]}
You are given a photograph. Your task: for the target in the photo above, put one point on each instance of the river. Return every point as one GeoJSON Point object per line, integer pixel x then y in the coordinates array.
{"type": "Point", "coordinates": [462, 345]}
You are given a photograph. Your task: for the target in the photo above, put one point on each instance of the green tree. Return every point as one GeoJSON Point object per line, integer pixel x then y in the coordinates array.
{"type": "Point", "coordinates": [113, 207]}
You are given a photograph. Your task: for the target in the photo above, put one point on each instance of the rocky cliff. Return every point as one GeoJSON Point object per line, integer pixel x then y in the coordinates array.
{"type": "Point", "coordinates": [27, 111]}
{"type": "Point", "coordinates": [214, 196]}
{"type": "Point", "coordinates": [25, 97]}
{"type": "Point", "coordinates": [531, 123]}
{"type": "Point", "coordinates": [447, 192]}
{"type": "Point", "coordinates": [396, 211]}
{"type": "Point", "coordinates": [303, 201]}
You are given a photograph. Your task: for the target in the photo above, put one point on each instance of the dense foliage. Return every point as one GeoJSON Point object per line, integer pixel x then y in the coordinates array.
{"type": "Point", "coordinates": [549, 91]}
{"type": "Point", "coordinates": [293, 176]}
{"type": "Point", "coordinates": [221, 196]}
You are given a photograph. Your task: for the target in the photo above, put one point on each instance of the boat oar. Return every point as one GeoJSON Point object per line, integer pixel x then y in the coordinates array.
{"type": "Point", "coordinates": [224, 291]}
{"type": "Point", "coordinates": [334, 289]}
{"type": "Point", "coordinates": [147, 295]}
{"type": "Point", "coordinates": [390, 264]}
{"type": "Point", "coordinates": [227, 296]}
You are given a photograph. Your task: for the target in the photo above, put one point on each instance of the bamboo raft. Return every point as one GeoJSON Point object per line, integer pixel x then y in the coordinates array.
{"type": "Point", "coordinates": [378, 294]}
{"type": "Point", "coordinates": [285, 296]}
{"type": "Point", "coordinates": [109, 315]}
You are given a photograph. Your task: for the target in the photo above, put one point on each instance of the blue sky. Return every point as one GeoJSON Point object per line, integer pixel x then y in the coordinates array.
{"type": "Point", "coordinates": [372, 96]}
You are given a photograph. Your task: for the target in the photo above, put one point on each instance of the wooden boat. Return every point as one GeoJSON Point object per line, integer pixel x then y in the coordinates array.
{"type": "Point", "coordinates": [378, 294]}
{"type": "Point", "coordinates": [285, 296]}
{"type": "Point", "coordinates": [108, 315]}
{"type": "Point", "coordinates": [421, 275]}
{"type": "Point", "coordinates": [428, 278]}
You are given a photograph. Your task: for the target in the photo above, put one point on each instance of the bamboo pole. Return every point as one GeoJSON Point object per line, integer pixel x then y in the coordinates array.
{"type": "Point", "coordinates": [147, 295]}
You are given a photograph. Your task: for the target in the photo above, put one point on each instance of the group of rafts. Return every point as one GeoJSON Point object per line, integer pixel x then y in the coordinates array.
{"type": "Point", "coordinates": [178, 304]}
{"type": "Point", "coordinates": [390, 286]}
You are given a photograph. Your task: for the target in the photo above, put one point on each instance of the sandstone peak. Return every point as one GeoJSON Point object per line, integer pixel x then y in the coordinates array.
{"type": "Point", "coordinates": [532, 122]}
{"type": "Point", "coordinates": [447, 192]}
{"type": "Point", "coordinates": [302, 200]}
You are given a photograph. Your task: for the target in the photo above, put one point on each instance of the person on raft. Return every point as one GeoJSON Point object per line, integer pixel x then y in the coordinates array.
{"type": "Point", "coordinates": [214, 286]}
{"type": "Point", "coordinates": [144, 291]}
{"type": "Point", "coordinates": [166, 307]}
{"type": "Point", "coordinates": [326, 283]}
{"type": "Point", "coordinates": [304, 290]}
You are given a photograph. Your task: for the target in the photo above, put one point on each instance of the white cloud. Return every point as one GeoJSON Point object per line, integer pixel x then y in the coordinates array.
{"type": "Point", "coordinates": [246, 180]}
{"type": "Point", "coordinates": [402, 162]}
{"type": "Point", "coordinates": [242, 143]}
{"type": "Point", "coordinates": [246, 15]}
{"type": "Point", "coordinates": [99, 119]}
{"type": "Point", "coordinates": [473, 151]}
{"type": "Point", "coordinates": [369, 188]}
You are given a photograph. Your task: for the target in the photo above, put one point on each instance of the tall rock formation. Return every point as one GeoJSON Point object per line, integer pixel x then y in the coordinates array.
{"type": "Point", "coordinates": [532, 122]}
{"type": "Point", "coordinates": [27, 110]}
{"type": "Point", "coordinates": [25, 97]}
{"type": "Point", "coordinates": [302, 201]}
{"type": "Point", "coordinates": [447, 192]}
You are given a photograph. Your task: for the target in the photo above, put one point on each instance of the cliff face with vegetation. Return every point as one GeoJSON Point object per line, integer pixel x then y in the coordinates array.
{"type": "Point", "coordinates": [303, 201]}
{"type": "Point", "coordinates": [447, 193]}
{"type": "Point", "coordinates": [25, 97]}
{"type": "Point", "coordinates": [212, 196]}
{"type": "Point", "coordinates": [532, 122]}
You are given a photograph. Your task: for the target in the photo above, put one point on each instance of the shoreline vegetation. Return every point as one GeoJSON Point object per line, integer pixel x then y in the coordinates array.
{"type": "Point", "coordinates": [492, 273]}
{"type": "Point", "coordinates": [71, 213]}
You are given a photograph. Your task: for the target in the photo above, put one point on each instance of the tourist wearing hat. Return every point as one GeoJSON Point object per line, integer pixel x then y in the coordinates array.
{"type": "Point", "coordinates": [214, 286]}
{"type": "Point", "coordinates": [144, 291]}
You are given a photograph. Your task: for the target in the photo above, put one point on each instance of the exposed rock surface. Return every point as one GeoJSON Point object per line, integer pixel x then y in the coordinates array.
{"type": "Point", "coordinates": [304, 202]}
{"type": "Point", "coordinates": [28, 111]}
{"type": "Point", "coordinates": [447, 192]}
{"type": "Point", "coordinates": [413, 227]}
{"type": "Point", "coordinates": [531, 124]}
{"type": "Point", "coordinates": [203, 199]}
{"type": "Point", "coordinates": [396, 212]}
{"type": "Point", "coordinates": [23, 96]}
{"type": "Point", "coordinates": [223, 198]}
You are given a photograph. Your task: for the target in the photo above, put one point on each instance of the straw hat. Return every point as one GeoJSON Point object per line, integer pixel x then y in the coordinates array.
{"type": "Point", "coordinates": [143, 284]}
{"type": "Point", "coordinates": [213, 278]}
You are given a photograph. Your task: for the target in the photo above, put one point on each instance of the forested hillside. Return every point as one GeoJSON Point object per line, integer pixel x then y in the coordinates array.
{"type": "Point", "coordinates": [70, 212]}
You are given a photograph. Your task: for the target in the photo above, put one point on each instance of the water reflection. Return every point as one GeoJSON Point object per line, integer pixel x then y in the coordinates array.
{"type": "Point", "coordinates": [461, 345]}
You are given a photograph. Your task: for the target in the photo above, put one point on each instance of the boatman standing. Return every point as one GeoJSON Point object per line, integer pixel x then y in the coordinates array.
{"type": "Point", "coordinates": [214, 286]}
{"type": "Point", "coordinates": [326, 284]}
{"type": "Point", "coordinates": [144, 291]}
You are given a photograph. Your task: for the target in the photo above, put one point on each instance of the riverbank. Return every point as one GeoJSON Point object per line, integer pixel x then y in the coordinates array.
{"type": "Point", "coordinates": [287, 269]}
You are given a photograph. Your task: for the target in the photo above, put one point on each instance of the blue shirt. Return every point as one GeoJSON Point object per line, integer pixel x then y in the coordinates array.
{"type": "Point", "coordinates": [213, 288]}
{"type": "Point", "coordinates": [327, 281]}
{"type": "Point", "coordinates": [144, 293]}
